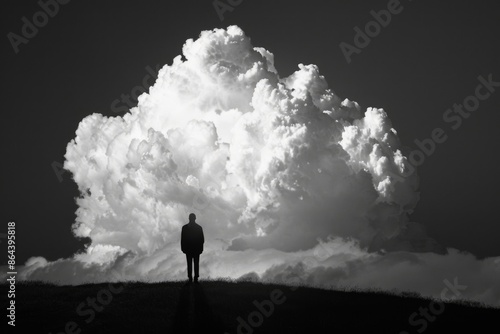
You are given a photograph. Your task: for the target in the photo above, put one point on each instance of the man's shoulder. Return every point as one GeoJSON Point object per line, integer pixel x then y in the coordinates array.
{"type": "Point", "coordinates": [192, 226]}
{"type": "Point", "coordinates": [197, 227]}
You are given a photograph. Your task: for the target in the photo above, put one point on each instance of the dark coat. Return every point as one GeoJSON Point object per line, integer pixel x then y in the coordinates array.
{"type": "Point", "coordinates": [192, 238]}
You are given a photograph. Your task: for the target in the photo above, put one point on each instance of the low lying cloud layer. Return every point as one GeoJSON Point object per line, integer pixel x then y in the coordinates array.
{"type": "Point", "coordinates": [288, 180]}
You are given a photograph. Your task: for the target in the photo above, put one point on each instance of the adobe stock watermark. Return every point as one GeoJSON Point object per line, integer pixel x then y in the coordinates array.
{"type": "Point", "coordinates": [208, 189]}
{"type": "Point", "coordinates": [127, 101]}
{"type": "Point", "coordinates": [426, 315]}
{"type": "Point", "coordinates": [88, 308]}
{"type": "Point", "coordinates": [222, 6]}
{"type": "Point", "coordinates": [372, 29]}
{"type": "Point", "coordinates": [59, 170]}
{"type": "Point", "coordinates": [3, 236]}
{"type": "Point", "coordinates": [120, 105]}
{"type": "Point", "coordinates": [321, 252]}
{"type": "Point", "coordinates": [30, 28]}
{"type": "Point", "coordinates": [453, 116]}
{"type": "Point", "coordinates": [264, 309]}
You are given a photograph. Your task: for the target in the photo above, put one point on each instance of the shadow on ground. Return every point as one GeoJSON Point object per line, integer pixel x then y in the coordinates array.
{"type": "Point", "coordinates": [194, 314]}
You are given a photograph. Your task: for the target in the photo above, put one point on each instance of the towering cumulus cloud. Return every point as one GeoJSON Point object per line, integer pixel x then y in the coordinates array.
{"type": "Point", "coordinates": [288, 180]}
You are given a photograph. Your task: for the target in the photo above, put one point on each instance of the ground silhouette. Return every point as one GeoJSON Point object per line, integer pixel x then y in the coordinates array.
{"type": "Point", "coordinates": [234, 307]}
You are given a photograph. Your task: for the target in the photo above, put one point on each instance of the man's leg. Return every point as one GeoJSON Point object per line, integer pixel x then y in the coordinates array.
{"type": "Point", "coordinates": [189, 259]}
{"type": "Point", "coordinates": [196, 259]}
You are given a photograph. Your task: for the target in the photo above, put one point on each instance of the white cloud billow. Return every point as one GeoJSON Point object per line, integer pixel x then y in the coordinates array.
{"type": "Point", "coordinates": [282, 174]}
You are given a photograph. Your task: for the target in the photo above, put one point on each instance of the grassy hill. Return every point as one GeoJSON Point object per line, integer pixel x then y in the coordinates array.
{"type": "Point", "coordinates": [229, 307]}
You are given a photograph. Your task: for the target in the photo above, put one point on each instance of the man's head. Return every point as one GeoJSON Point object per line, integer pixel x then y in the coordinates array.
{"type": "Point", "coordinates": [192, 217]}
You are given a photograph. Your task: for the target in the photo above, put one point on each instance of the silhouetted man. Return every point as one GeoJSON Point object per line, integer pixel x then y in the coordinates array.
{"type": "Point", "coordinates": [192, 240]}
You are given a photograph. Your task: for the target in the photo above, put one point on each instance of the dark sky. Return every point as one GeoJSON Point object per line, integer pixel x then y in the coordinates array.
{"type": "Point", "coordinates": [427, 59]}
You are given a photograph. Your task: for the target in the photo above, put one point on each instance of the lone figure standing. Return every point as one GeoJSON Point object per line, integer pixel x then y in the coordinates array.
{"type": "Point", "coordinates": [192, 240]}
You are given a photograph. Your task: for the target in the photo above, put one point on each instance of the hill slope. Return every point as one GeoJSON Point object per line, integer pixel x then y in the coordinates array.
{"type": "Point", "coordinates": [227, 307]}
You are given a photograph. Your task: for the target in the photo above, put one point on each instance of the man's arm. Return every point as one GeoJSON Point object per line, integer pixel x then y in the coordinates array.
{"type": "Point", "coordinates": [202, 238]}
{"type": "Point", "coordinates": [183, 240]}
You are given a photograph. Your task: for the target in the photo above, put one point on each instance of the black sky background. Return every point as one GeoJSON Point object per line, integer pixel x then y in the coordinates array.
{"type": "Point", "coordinates": [91, 52]}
